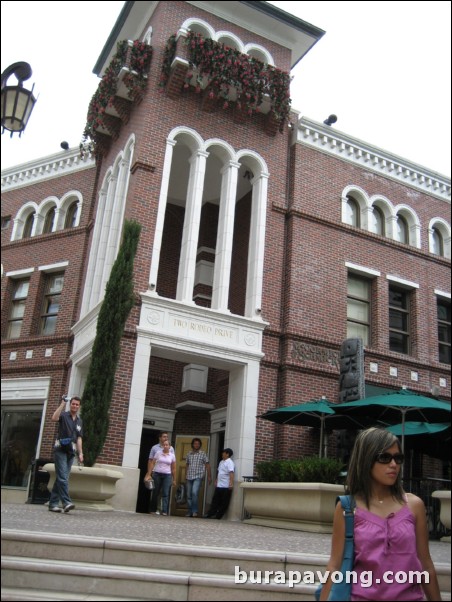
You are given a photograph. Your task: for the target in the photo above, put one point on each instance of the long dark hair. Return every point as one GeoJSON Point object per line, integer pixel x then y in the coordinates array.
{"type": "Point", "coordinates": [368, 445]}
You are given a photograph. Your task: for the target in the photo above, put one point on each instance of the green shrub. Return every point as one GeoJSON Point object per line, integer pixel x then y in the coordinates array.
{"type": "Point", "coordinates": [310, 469]}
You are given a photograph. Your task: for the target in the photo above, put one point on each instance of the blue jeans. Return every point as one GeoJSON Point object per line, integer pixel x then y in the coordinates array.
{"type": "Point", "coordinates": [193, 487]}
{"type": "Point", "coordinates": [162, 482]}
{"type": "Point", "coordinates": [60, 490]}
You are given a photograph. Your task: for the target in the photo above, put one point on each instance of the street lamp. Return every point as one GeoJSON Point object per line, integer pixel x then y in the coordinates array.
{"type": "Point", "coordinates": [17, 101]}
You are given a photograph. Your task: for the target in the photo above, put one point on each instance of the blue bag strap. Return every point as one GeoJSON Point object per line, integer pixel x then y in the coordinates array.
{"type": "Point", "coordinates": [348, 506]}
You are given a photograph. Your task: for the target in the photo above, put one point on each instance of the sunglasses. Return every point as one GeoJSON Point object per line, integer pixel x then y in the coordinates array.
{"type": "Point", "coordinates": [386, 458]}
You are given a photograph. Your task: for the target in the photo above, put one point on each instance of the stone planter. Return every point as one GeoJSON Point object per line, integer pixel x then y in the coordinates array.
{"type": "Point", "coordinates": [89, 487]}
{"type": "Point", "coordinates": [444, 515]}
{"type": "Point", "coordinates": [299, 506]}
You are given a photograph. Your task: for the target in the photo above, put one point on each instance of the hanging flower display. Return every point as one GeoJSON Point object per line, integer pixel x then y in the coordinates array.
{"type": "Point", "coordinates": [227, 68]}
{"type": "Point", "coordinates": [137, 59]}
{"type": "Point", "coordinates": [169, 53]}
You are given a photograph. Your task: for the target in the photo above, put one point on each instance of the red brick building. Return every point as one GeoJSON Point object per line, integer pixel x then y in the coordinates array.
{"type": "Point", "coordinates": [260, 251]}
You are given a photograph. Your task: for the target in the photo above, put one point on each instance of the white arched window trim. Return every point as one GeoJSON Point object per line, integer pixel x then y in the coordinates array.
{"type": "Point", "coordinates": [362, 199]}
{"type": "Point", "coordinates": [445, 231]}
{"type": "Point", "coordinates": [413, 222]}
{"type": "Point", "coordinates": [21, 218]}
{"type": "Point", "coordinates": [210, 32]}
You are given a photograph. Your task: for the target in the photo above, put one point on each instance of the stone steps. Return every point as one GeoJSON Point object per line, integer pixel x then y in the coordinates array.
{"type": "Point", "coordinates": [40, 566]}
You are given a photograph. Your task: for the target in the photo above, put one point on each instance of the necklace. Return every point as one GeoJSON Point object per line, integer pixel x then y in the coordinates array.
{"type": "Point", "coordinates": [376, 500]}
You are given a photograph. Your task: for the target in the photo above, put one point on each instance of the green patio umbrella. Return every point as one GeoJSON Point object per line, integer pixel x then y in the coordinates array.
{"type": "Point", "coordinates": [393, 408]}
{"type": "Point", "coordinates": [423, 436]}
{"type": "Point", "coordinates": [418, 428]}
{"type": "Point", "coordinates": [317, 413]}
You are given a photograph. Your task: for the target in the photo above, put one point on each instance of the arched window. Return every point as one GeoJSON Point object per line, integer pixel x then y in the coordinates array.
{"type": "Point", "coordinates": [49, 221]}
{"type": "Point", "coordinates": [378, 221]}
{"type": "Point", "coordinates": [437, 243]}
{"type": "Point", "coordinates": [229, 41]}
{"type": "Point", "coordinates": [28, 226]}
{"type": "Point", "coordinates": [402, 232]}
{"type": "Point", "coordinates": [71, 215]}
{"type": "Point", "coordinates": [352, 212]}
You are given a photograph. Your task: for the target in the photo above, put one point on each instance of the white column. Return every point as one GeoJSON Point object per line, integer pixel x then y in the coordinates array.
{"type": "Point", "coordinates": [96, 292]}
{"type": "Point", "coordinates": [344, 204]}
{"type": "Point", "coordinates": [58, 222]}
{"type": "Point", "coordinates": [223, 253]}
{"type": "Point", "coordinates": [38, 224]}
{"type": "Point", "coordinates": [253, 303]}
{"type": "Point", "coordinates": [240, 434]}
{"type": "Point", "coordinates": [18, 228]}
{"type": "Point", "coordinates": [391, 227]}
{"type": "Point", "coordinates": [137, 401]}
{"type": "Point", "coordinates": [170, 144]}
{"type": "Point", "coordinates": [114, 233]}
{"type": "Point", "coordinates": [366, 218]}
{"type": "Point", "coordinates": [89, 283]}
{"type": "Point", "coordinates": [187, 263]}
{"type": "Point", "coordinates": [415, 235]}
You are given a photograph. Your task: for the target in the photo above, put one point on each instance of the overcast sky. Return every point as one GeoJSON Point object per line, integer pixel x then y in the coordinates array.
{"type": "Point", "coordinates": [382, 67]}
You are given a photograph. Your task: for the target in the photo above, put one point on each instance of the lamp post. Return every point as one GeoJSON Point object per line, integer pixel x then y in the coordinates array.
{"type": "Point", "coordinates": [17, 101]}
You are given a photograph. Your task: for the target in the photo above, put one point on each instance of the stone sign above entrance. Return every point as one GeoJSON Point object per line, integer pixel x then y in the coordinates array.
{"type": "Point", "coordinates": [169, 319]}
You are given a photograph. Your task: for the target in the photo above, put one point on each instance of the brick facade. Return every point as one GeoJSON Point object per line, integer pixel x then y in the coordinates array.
{"type": "Point", "coordinates": [306, 251]}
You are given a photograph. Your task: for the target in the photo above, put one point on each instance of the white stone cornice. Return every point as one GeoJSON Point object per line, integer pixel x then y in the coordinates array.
{"type": "Point", "coordinates": [330, 141]}
{"type": "Point", "coordinates": [53, 166]}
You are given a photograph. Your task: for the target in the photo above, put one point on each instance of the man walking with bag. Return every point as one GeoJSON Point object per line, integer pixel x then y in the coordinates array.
{"type": "Point", "coordinates": [68, 443]}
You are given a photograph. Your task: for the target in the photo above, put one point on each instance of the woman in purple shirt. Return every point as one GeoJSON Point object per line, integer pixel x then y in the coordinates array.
{"type": "Point", "coordinates": [390, 527]}
{"type": "Point", "coordinates": [162, 467]}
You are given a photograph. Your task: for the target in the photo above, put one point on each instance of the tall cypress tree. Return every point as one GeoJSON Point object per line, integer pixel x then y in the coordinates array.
{"type": "Point", "coordinates": [116, 306]}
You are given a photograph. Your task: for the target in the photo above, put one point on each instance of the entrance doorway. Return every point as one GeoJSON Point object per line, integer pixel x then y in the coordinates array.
{"type": "Point", "coordinates": [183, 446]}
{"type": "Point", "coordinates": [148, 439]}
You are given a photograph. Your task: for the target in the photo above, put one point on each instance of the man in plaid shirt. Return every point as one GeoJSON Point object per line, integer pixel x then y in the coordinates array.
{"type": "Point", "coordinates": [197, 465]}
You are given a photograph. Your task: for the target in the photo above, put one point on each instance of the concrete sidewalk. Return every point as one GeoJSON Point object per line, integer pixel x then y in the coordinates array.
{"type": "Point", "coordinates": [188, 531]}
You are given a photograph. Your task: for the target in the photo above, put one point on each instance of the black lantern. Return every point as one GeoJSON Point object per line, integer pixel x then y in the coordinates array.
{"type": "Point", "coordinates": [17, 101]}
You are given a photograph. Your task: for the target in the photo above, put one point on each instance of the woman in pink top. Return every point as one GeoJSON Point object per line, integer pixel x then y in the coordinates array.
{"type": "Point", "coordinates": [163, 469]}
{"type": "Point", "coordinates": [390, 529]}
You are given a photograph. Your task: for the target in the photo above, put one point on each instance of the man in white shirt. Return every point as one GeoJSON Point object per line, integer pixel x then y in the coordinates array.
{"type": "Point", "coordinates": [224, 484]}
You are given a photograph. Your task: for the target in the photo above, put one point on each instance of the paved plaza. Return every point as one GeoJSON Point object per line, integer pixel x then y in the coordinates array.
{"type": "Point", "coordinates": [175, 530]}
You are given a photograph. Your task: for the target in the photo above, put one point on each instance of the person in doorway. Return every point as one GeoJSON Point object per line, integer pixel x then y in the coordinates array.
{"type": "Point", "coordinates": [197, 463]}
{"type": "Point", "coordinates": [224, 484]}
{"type": "Point", "coordinates": [390, 527]}
{"type": "Point", "coordinates": [68, 443]}
{"type": "Point", "coordinates": [158, 447]}
{"type": "Point", "coordinates": [162, 468]}
{"type": "Point", "coordinates": [163, 436]}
